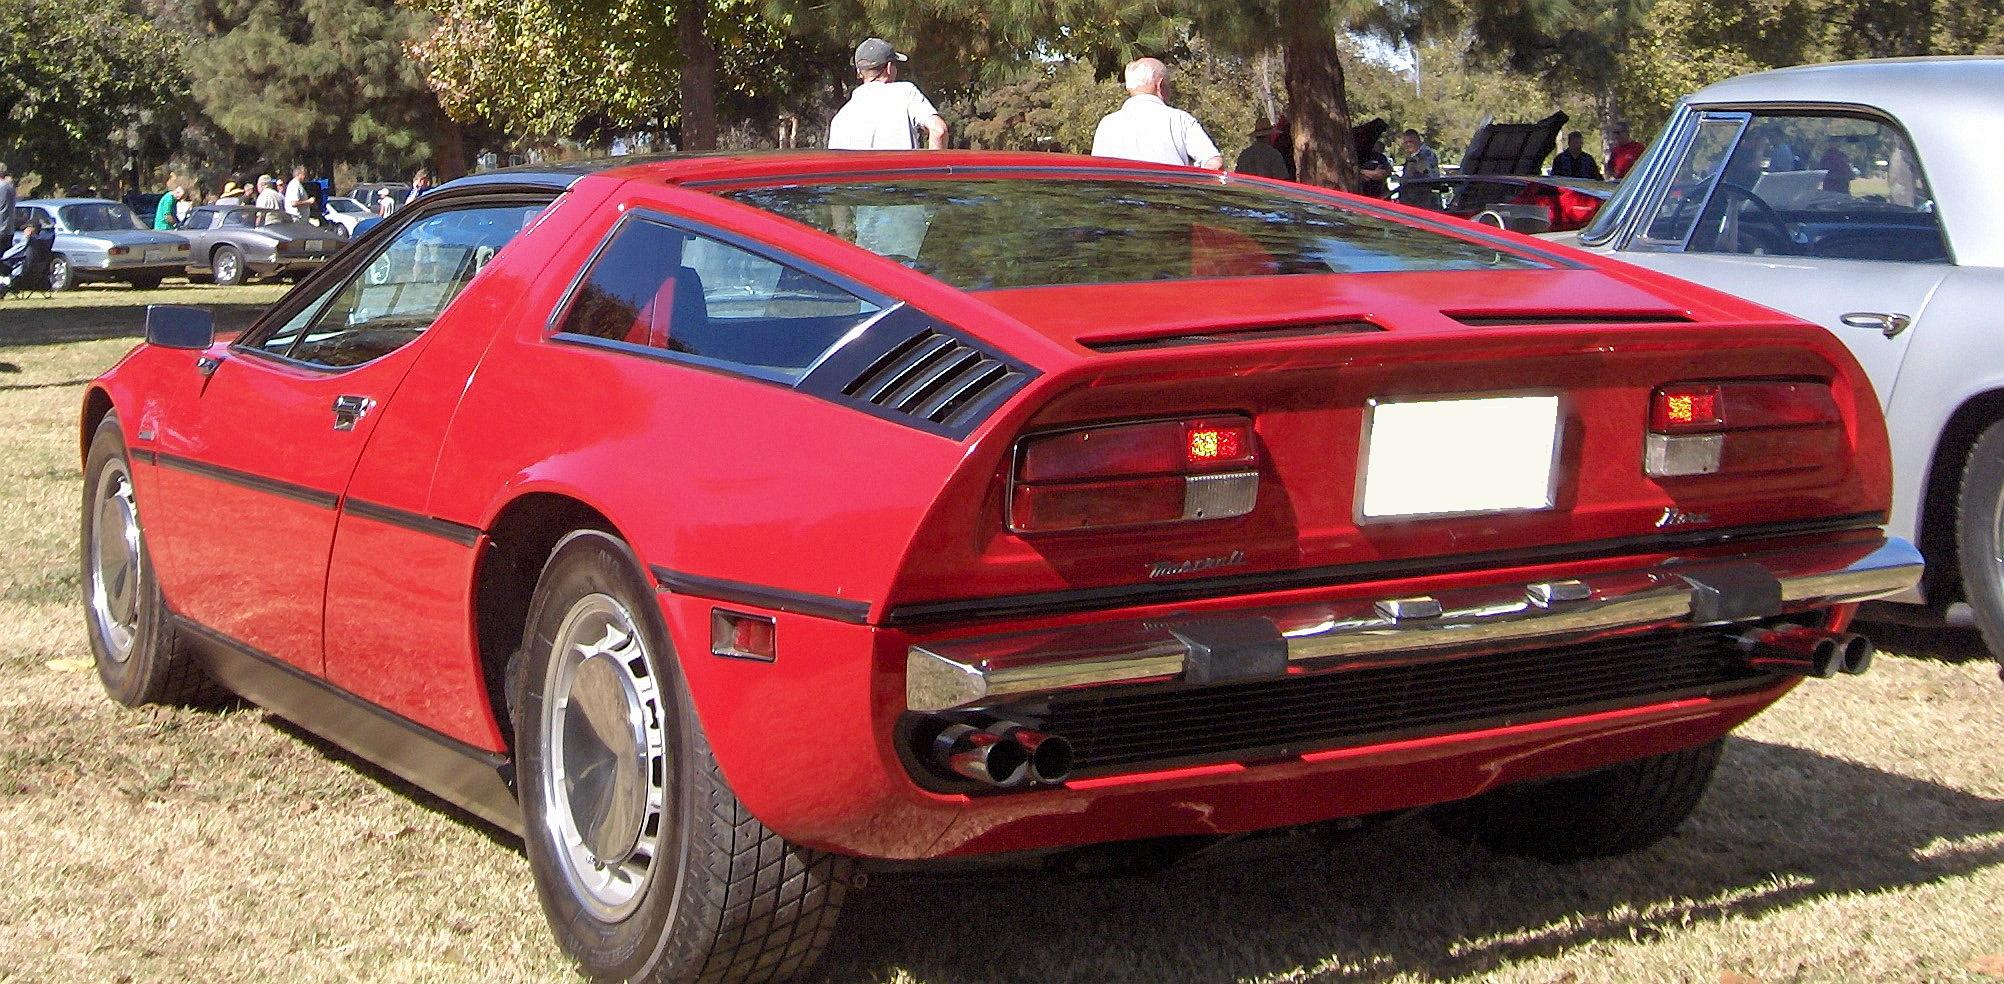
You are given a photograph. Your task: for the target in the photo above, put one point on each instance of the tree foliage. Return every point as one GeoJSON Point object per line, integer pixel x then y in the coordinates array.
{"type": "Point", "coordinates": [324, 79]}
{"type": "Point", "coordinates": [80, 85]}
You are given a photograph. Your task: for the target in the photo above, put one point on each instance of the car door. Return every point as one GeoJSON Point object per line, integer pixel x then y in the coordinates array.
{"type": "Point", "coordinates": [254, 470]}
{"type": "Point", "coordinates": [1823, 214]}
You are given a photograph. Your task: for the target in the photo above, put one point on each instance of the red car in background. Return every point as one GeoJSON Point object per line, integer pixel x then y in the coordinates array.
{"type": "Point", "coordinates": [1529, 205]}
{"type": "Point", "coordinates": [720, 523]}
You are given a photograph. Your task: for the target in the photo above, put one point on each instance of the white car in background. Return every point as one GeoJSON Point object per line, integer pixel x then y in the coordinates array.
{"type": "Point", "coordinates": [1863, 196]}
{"type": "Point", "coordinates": [346, 212]}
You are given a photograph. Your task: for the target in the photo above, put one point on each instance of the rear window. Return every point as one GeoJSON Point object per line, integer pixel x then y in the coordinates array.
{"type": "Point", "coordinates": [985, 234]}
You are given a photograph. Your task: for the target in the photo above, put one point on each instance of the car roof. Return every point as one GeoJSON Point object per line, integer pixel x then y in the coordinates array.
{"type": "Point", "coordinates": [784, 165]}
{"type": "Point", "coordinates": [1897, 85]}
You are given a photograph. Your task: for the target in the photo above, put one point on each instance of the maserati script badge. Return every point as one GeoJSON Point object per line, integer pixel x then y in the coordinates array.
{"type": "Point", "coordinates": [1171, 568]}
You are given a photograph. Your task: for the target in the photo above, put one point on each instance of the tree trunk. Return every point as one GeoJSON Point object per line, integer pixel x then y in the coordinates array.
{"type": "Point", "coordinates": [699, 77]}
{"type": "Point", "coordinates": [448, 149]}
{"type": "Point", "coordinates": [1318, 111]}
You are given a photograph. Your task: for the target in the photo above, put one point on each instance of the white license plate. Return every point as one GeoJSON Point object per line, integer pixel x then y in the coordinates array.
{"type": "Point", "coordinates": [1460, 456]}
{"type": "Point", "coordinates": [160, 253]}
{"type": "Point", "coordinates": [315, 245]}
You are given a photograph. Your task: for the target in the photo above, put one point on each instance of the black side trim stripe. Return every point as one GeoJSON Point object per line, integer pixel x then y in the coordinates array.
{"type": "Point", "coordinates": [459, 533]}
{"type": "Point", "coordinates": [1090, 599]}
{"type": "Point", "coordinates": [777, 599]}
{"type": "Point", "coordinates": [301, 493]}
{"type": "Point", "coordinates": [473, 779]}
{"type": "Point", "coordinates": [142, 454]}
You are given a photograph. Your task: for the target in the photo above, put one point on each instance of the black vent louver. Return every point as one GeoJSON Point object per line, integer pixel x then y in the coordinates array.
{"type": "Point", "coordinates": [934, 377]}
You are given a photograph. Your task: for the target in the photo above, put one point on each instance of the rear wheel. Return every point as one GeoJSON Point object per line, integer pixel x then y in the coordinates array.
{"type": "Point", "coordinates": [648, 867]}
{"type": "Point", "coordinates": [139, 656]}
{"type": "Point", "coordinates": [1979, 535]}
{"type": "Point", "coordinates": [62, 276]}
{"type": "Point", "coordinates": [226, 268]}
{"type": "Point", "coordinates": [1613, 811]}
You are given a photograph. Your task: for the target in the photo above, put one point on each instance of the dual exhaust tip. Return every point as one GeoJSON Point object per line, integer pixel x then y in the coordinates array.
{"type": "Point", "coordinates": [1002, 754]}
{"type": "Point", "coordinates": [1807, 652]}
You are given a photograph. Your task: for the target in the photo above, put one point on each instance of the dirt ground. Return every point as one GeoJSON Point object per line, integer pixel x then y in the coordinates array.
{"type": "Point", "coordinates": [1855, 833]}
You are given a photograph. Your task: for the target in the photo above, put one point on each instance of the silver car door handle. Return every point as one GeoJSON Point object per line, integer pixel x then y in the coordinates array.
{"type": "Point", "coordinates": [349, 409]}
{"type": "Point", "coordinates": [1889, 325]}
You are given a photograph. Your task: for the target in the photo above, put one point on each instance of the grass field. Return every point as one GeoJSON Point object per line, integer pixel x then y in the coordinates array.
{"type": "Point", "coordinates": [1856, 832]}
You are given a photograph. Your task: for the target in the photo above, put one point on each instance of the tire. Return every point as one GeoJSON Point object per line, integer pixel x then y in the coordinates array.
{"type": "Point", "coordinates": [1979, 541]}
{"type": "Point", "coordinates": [146, 283]}
{"type": "Point", "coordinates": [667, 880]}
{"type": "Point", "coordinates": [1613, 811]}
{"type": "Point", "coordinates": [62, 276]}
{"type": "Point", "coordinates": [140, 658]}
{"type": "Point", "coordinates": [226, 267]}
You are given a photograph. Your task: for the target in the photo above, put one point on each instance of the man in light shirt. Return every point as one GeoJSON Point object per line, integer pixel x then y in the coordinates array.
{"type": "Point", "coordinates": [883, 113]}
{"type": "Point", "coordinates": [267, 193]}
{"type": "Point", "coordinates": [1147, 128]}
{"type": "Point", "coordinates": [298, 200]}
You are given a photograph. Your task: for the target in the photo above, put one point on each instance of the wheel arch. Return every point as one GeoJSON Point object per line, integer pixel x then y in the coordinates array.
{"type": "Point", "coordinates": [1942, 583]}
{"type": "Point", "coordinates": [97, 405]}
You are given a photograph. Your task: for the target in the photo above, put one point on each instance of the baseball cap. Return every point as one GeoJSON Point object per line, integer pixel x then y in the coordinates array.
{"type": "Point", "coordinates": [876, 53]}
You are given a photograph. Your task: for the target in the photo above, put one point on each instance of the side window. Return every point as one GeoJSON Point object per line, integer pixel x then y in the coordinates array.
{"type": "Point", "coordinates": [661, 287]}
{"type": "Point", "coordinates": [201, 218]}
{"type": "Point", "coordinates": [1693, 179]}
{"type": "Point", "coordinates": [1822, 185]}
{"type": "Point", "coordinates": [389, 302]}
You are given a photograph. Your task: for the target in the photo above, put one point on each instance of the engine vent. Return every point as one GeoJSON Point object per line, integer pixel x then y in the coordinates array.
{"type": "Point", "coordinates": [1223, 336]}
{"type": "Point", "coordinates": [1486, 319]}
{"type": "Point", "coordinates": [935, 377]}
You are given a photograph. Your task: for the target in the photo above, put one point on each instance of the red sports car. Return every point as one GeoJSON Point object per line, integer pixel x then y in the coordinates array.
{"type": "Point", "coordinates": [720, 523]}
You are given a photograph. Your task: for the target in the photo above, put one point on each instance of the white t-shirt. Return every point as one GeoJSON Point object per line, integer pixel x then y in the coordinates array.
{"type": "Point", "coordinates": [880, 116]}
{"type": "Point", "coordinates": [294, 191]}
{"type": "Point", "coordinates": [1147, 129]}
{"type": "Point", "coordinates": [270, 198]}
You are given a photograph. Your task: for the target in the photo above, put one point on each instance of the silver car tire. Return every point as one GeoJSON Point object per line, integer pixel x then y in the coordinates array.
{"type": "Point", "coordinates": [62, 276]}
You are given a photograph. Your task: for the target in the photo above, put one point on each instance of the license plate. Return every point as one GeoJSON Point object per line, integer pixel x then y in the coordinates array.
{"type": "Point", "coordinates": [159, 253]}
{"type": "Point", "coordinates": [1459, 456]}
{"type": "Point", "coordinates": [315, 245]}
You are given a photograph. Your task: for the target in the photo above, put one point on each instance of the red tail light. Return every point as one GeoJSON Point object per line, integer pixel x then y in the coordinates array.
{"type": "Point", "coordinates": [1161, 471]}
{"type": "Point", "coordinates": [1739, 427]}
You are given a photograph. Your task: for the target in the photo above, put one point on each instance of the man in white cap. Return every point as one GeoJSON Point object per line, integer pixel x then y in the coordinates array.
{"type": "Point", "coordinates": [883, 113]}
{"type": "Point", "coordinates": [1147, 128]}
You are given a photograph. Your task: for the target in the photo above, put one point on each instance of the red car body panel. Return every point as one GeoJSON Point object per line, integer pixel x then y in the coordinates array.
{"type": "Point", "coordinates": [729, 480]}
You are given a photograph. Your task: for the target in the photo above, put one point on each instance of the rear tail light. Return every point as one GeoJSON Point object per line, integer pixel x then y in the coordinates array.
{"type": "Point", "coordinates": [120, 250]}
{"type": "Point", "coordinates": [1740, 427]}
{"type": "Point", "coordinates": [1162, 471]}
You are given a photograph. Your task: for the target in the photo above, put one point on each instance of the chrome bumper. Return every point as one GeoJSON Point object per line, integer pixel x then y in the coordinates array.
{"type": "Point", "coordinates": [1262, 642]}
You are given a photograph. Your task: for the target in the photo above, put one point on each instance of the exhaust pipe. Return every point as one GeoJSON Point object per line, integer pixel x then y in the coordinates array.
{"type": "Point", "coordinates": [1002, 753]}
{"type": "Point", "coordinates": [1806, 652]}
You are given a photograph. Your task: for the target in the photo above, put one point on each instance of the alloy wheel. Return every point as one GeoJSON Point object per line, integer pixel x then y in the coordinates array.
{"type": "Point", "coordinates": [115, 561]}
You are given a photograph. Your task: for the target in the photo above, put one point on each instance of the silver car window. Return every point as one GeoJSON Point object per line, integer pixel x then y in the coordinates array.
{"type": "Point", "coordinates": [1692, 180]}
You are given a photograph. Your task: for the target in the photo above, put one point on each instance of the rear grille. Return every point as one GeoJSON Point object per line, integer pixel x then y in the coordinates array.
{"type": "Point", "coordinates": [1114, 731]}
{"type": "Point", "coordinates": [933, 376]}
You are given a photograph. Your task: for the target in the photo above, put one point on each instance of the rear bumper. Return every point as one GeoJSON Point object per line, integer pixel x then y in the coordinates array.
{"type": "Point", "coordinates": [818, 743]}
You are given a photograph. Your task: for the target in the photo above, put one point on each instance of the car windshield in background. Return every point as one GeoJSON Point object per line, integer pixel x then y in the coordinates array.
{"type": "Point", "coordinates": [251, 218]}
{"type": "Point", "coordinates": [99, 217]}
{"type": "Point", "coordinates": [985, 234]}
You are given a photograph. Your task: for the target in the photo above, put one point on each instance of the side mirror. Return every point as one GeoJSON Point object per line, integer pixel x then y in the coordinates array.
{"type": "Point", "coordinates": [178, 327]}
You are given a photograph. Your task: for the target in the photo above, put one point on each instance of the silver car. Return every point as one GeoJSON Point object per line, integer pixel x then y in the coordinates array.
{"type": "Point", "coordinates": [1864, 197]}
{"type": "Point", "coordinates": [231, 243]}
{"type": "Point", "coordinates": [98, 239]}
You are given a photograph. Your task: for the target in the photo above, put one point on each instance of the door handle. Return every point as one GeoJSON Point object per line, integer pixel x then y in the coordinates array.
{"type": "Point", "coordinates": [1889, 325]}
{"type": "Point", "coordinates": [349, 409]}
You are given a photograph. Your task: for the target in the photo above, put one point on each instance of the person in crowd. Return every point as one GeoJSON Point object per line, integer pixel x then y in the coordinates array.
{"type": "Point", "coordinates": [7, 199]}
{"type": "Point", "coordinates": [298, 196]}
{"type": "Point", "coordinates": [1263, 157]}
{"type": "Point", "coordinates": [1421, 162]}
{"type": "Point", "coordinates": [186, 203]}
{"type": "Point", "coordinates": [1574, 161]}
{"type": "Point", "coordinates": [385, 203]}
{"type": "Point", "coordinates": [1623, 151]}
{"type": "Point", "coordinates": [1837, 170]}
{"type": "Point", "coordinates": [884, 113]}
{"type": "Point", "coordinates": [233, 194]}
{"type": "Point", "coordinates": [420, 183]}
{"type": "Point", "coordinates": [166, 215]}
{"type": "Point", "coordinates": [15, 258]}
{"type": "Point", "coordinates": [267, 193]}
{"type": "Point", "coordinates": [1147, 128]}
{"type": "Point", "coordinates": [1374, 170]}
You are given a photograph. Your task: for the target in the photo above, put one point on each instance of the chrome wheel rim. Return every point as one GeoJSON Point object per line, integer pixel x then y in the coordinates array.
{"type": "Point", "coordinates": [605, 762]}
{"type": "Point", "coordinates": [115, 561]}
{"type": "Point", "coordinates": [226, 266]}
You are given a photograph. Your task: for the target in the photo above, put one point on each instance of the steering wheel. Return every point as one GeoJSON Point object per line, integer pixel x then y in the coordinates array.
{"type": "Point", "coordinates": [1731, 195]}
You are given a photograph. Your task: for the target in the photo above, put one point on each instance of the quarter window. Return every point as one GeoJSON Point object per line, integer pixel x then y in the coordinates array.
{"type": "Point", "coordinates": [389, 302]}
{"type": "Point", "coordinates": [665, 288]}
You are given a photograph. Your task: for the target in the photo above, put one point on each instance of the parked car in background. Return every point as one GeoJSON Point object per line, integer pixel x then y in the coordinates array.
{"type": "Point", "coordinates": [98, 239]}
{"type": "Point", "coordinates": [372, 194]}
{"type": "Point", "coordinates": [344, 212]}
{"type": "Point", "coordinates": [1856, 196]}
{"type": "Point", "coordinates": [1528, 205]}
{"type": "Point", "coordinates": [232, 243]}
{"type": "Point", "coordinates": [716, 522]}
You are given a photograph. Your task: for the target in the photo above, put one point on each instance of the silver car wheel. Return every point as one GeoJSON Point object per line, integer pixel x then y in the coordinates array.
{"type": "Point", "coordinates": [605, 767]}
{"type": "Point", "coordinates": [115, 563]}
{"type": "Point", "coordinates": [226, 266]}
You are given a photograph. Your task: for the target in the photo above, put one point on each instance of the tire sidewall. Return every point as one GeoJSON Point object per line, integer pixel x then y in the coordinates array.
{"type": "Point", "coordinates": [585, 563]}
{"type": "Point", "coordinates": [133, 681]}
{"type": "Point", "coordinates": [1976, 545]}
{"type": "Point", "coordinates": [216, 267]}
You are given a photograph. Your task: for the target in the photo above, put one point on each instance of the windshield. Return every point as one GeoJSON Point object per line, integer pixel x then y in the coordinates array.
{"type": "Point", "coordinates": [985, 234]}
{"type": "Point", "coordinates": [99, 217]}
{"type": "Point", "coordinates": [345, 206]}
{"type": "Point", "coordinates": [248, 218]}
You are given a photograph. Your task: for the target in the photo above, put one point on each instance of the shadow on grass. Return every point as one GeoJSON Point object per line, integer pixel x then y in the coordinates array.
{"type": "Point", "coordinates": [123, 318]}
{"type": "Point", "coordinates": [1781, 827]}
{"type": "Point", "coordinates": [396, 783]}
{"type": "Point", "coordinates": [1949, 645]}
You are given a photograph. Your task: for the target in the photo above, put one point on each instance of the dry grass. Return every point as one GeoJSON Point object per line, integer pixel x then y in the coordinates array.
{"type": "Point", "coordinates": [1856, 833]}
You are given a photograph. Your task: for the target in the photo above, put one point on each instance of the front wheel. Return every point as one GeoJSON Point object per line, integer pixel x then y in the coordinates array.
{"type": "Point", "coordinates": [1612, 811]}
{"type": "Point", "coordinates": [1979, 535]}
{"type": "Point", "coordinates": [62, 276]}
{"type": "Point", "coordinates": [647, 866]}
